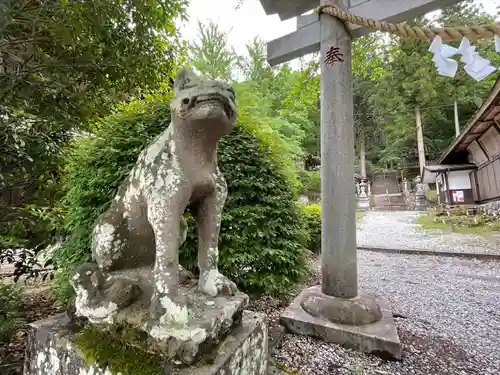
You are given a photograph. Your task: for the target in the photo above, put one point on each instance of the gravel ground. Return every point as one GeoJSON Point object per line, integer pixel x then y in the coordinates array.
{"type": "Point", "coordinates": [399, 230]}
{"type": "Point", "coordinates": [447, 313]}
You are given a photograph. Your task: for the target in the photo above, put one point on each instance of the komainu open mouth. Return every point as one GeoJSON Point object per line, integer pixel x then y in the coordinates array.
{"type": "Point", "coordinates": [215, 98]}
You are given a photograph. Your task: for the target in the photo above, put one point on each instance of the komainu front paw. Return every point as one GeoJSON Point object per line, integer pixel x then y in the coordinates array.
{"type": "Point", "coordinates": [168, 308]}
{"type": "Point", "coordinates": [88, 277]}
{"type": "Point", "coordinates": [213, 283]}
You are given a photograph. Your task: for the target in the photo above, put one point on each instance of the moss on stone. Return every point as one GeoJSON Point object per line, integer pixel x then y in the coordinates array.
{"type": "Point", "coordinates": [118, 350]}
{"type": "Point", "coordinates": [287, 370]}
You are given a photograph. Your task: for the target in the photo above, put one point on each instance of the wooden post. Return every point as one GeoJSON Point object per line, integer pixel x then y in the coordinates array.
{"type": "Point", "coordinates": [457, 124]}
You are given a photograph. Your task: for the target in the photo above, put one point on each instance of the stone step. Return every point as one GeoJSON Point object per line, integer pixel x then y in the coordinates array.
{"type": "Point", "coordinates": [383, 187]}
{"type": "Point", "coordinates": [391, 208]}
{"type": "Point", "coordinates": [390, 197]}
{"type": "Point", "coordinates": [390, 204]}
{"type": "Point", "coordinates": [398, 204]}
{"type": "Point", "coordinates": [383, 184]}
{"type": "Point", "coordinates": [384, 192]}
{"type": "Point", "coordinates": [392, 200]}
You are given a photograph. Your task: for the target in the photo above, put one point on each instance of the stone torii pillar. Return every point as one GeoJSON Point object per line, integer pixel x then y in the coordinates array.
{"type": "Point", "coordinates": [337, 311]}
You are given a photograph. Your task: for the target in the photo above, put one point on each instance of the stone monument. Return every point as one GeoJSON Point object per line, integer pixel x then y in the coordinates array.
{"type": "Point", "coordinates": [420, 195]}
{"type": "Point", "coordinates": [135, 282]}
{"type": "Point", "coordinates": [363, 200]}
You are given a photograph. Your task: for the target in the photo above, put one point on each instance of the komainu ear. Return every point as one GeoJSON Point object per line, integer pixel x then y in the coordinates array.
{"type": "Point", "coordinates": [183, 76]}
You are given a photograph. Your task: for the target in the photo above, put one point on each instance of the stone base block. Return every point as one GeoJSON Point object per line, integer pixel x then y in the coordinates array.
{"type": "Point", "coordinates": [183, 327]}
{"type": "Point", "coordinates": [379, 338]}
{"type": "Point", "coordinates": [421, 203]}
{"type": "Point", "coordinates": [363, 204]}
{"type": "Point", "coordinates": [52, 350]}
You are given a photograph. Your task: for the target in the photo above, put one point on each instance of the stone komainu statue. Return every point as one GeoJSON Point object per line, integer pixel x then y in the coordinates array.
{"type": "Point", "coordinates": [135, 243]}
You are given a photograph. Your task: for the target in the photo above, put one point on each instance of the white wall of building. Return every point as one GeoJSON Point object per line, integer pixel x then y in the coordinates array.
{"type": "Point", "coordinates": [458, 180]}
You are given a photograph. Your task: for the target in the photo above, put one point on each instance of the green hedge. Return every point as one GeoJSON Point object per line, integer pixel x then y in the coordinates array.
{"type": "Point", "coordinates": [312, 218]}
{"type": "Point", "coordinates": [262, 233]}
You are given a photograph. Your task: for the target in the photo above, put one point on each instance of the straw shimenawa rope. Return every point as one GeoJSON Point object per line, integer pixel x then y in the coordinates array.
{"type": "Point", "coordinates": [447, 34]}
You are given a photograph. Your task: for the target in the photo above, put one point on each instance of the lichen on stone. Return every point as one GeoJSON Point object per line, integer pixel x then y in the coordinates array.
{"type": "Point", "coordinates": [48, 362]}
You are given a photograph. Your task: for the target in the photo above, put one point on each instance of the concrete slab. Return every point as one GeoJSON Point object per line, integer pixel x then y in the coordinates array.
{"type": "Point", "coordinates": [380, 338]}
{"type": "Point", "coordinates": [52, 350]}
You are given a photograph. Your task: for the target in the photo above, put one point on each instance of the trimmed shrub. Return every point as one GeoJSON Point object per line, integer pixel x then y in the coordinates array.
{"type": "Point", "coordinates": [312, 218]}
{"type": "Point", "coordinates": [262, 233]}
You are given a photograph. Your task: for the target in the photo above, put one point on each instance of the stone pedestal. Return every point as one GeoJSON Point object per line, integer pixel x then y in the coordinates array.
{"type": "Point", "coordinates": [52, 349]}
{"type": "Point", "coordinates": [362, 323]}
{"type": "Point", "coordinates": [420, 196]}
{"type": "Point", "coordinates": [421, 202]}
{"type": "Point", "coordinates": [363, 200]}
{"type": "Point", "coordinates": [191, 326]}
{"type": "Point", "coordinates": [363, 203]}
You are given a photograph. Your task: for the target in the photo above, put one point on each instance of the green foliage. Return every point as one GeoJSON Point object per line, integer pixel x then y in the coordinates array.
{"type": "Point", "coordinates": [300, 104]}
{"type": "Point", "coordinates": [410, 79]}
{"type": "Point", "coordinates": [69, 61]}
{"type": "Point", "coordinates": [95, 167]}
{"type": "Point", "coordinates": [262, 235]}
{"type": "Point", "coordinates": [310, 181]}
{"type": "Point", "coordinates": [254, 66]}
{"type": "Point", "coordinates": [432, 196]}
{"type": "Point", "coordinates": [312, 217]}
{"type": "Point", "coordinates": [211, 54]}
{"type": "Point", "coordinates": [64, 63]}
{"type": "Point", "coordinates": [29, 185]}
{"type": "Point", "coordinates": [287, 99]}
{"type": "Point", "coordinates": [10, 303]}
{"type": "Point", "coordinates": [118, 350]}
{"type": "Point", "coordinates": [274, 147]}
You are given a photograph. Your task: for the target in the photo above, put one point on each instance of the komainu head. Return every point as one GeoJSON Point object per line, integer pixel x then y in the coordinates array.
{"type": "Point", "coordinates": [200, 100]}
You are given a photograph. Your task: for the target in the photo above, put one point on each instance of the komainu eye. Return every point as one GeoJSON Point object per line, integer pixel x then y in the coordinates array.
{"type": "Point", "coordinates": [186, 81]}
